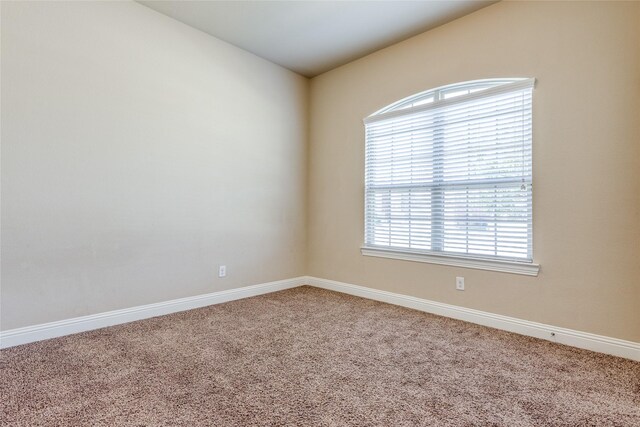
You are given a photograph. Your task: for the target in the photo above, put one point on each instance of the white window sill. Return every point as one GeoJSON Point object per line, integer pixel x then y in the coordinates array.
{"type": "Point", "coordinates": [515, 267]}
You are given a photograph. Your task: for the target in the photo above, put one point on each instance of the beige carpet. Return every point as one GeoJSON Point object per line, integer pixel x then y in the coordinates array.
{"type": "Point", "coordinates": [309, 357]}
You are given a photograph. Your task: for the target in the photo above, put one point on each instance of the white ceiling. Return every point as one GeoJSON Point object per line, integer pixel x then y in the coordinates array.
{"type": "Point", "coordinates": [311, 37]}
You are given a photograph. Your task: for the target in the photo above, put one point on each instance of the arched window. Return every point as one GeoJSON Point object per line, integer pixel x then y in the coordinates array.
{"type": "Point", "coordinates": [448, 177]}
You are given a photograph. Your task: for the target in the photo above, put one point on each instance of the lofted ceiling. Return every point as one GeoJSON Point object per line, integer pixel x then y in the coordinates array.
{"type": "Point", "coordinates": [311, 37]}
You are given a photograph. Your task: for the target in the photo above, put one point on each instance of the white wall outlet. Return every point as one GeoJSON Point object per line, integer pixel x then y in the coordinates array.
{"type": "Point", "coordinates": [460, 283]}
{"type": "Point", "coordinates": [222, 271]}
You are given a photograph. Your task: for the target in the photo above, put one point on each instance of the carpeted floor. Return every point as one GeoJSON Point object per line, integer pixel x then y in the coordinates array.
{"type": "Point", "coordinates": [309, 357]}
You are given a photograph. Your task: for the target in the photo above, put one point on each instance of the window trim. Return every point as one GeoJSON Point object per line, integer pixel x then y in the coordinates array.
{"type": "Point", "coordinates": [514, 267]}
{"type": "Point", "coordinates": [495, 86]}
{"type": "Point", "coordinates": [438, 92]}
{"type": "Point", "coordinates": [386, 113]}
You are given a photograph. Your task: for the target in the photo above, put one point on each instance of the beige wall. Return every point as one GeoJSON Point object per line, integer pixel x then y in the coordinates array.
{"type": "Point", "coordinates": [138, 154]}
{"type": "Point", "coordinates": [586, 59]}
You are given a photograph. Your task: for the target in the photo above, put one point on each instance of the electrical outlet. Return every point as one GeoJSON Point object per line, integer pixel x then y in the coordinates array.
{"type": "Point", "coordinates": [460, 283]}
{"type": "Point", "coordinates": [222, 271]}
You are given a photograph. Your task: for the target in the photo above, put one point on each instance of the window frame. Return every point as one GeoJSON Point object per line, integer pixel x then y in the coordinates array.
{"type": "Point", "coordinates": [437, 95]}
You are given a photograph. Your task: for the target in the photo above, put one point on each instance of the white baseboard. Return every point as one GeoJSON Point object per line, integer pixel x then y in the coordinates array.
{"type": "Point", "coordinates": [60, 328]}
{"type": "Point", "coordinates": [598, 343]}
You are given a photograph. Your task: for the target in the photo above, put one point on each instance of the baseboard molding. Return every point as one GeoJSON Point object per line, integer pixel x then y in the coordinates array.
{"type": "Point", "coordinates": [60, 328]}
{"type": "Point", "coordinates": [598, 343]}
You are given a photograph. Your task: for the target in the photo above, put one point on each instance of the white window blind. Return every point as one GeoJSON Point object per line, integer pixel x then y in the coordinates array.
{"type": "Point", "coordinates": [448, 172]}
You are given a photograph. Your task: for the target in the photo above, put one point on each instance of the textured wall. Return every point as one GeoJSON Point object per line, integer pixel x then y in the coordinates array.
{"type": "Point", "coordinates": [138, 154]}
{"type": "Point", "coordinates": [586, 156]}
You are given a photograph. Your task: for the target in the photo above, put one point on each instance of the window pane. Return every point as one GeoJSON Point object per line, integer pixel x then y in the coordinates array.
{"type": "Point", "coordinates": [456, 179]}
